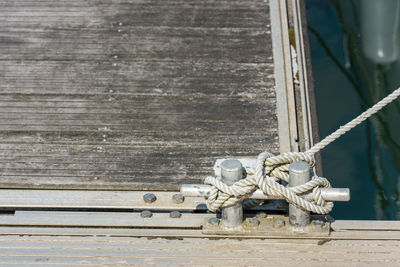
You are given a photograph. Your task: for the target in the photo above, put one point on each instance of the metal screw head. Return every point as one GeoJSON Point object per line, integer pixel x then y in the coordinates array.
{"type": "Point", "coordinates": [178, 198]}
{"type": "Point", "coordinates": [318, 223]}
{"type": "Point", "coordinates": [149, 198]}
{"type": "Point", "coordinates": [146, 214]}
{"type": "Point", "coordinates": [213, 221]}
{"type": "Point", "coordinates": [175, 214]}
{"type": "Point", "coordinates": [261, 215]}
{"type": "Point", "coordinates": [253, 222]}
{"type": "Point", "coordinates": [278, 223]}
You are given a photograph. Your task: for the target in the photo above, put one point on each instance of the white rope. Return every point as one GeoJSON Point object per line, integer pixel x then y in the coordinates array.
{"type": "Point", "coordinates": [271, 169]}
{"type": "Point", "coordinates": [350, 125]}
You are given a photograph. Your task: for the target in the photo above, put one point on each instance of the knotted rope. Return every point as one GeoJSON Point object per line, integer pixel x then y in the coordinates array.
{"type": "Point", "coordinates": [271, 170]}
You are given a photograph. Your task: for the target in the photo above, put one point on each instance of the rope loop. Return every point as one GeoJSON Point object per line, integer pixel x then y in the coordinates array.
{"type": "Point", "coordinates": [271, 170]}
{"type": "Point", "coordinates": [268, 176]}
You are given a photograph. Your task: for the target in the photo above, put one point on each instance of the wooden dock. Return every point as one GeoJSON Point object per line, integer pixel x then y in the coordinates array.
{"type": "Point", "coordinates": [132, 95]}
{"type": "Point", "coordinates": [104, 239]}
{"type": "Point", "coordinates": [103, 100]}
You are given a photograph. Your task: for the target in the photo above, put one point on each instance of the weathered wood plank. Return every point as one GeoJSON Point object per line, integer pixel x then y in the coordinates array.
{"type": "Point", "coordinates": [172, 13]}
{"type": "Point", "coordinates": [180, 128]}
{"type": "Point", "coordinates": [96, 199]}
{"type": "Point", "coordinates": [132, 94]}
{"type": "Point", "coordinates": [194, 251]}
{"type": "Point", "coordinates": [106, 136]}
{"type": "Point", "coordinates": [146, 113]}
{"type": "Point", "coordinates": [343, 225]}
{"type": "Point", "coordinates": [153, 78]}
{"type": "Point", "coordinates": [102, 219]}
{"type": "Point", "coordinates": [352, 237]}
{"type": "Point", "coordinates": [137, 44]}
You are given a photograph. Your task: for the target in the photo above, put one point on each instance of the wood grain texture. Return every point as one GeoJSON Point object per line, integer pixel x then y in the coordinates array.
{"type": "Point", "coordinates": [132, 95]}
{"type": "Point", "coordinates": [126, 251]}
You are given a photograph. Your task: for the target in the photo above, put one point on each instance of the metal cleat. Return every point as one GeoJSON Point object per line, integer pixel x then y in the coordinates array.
{"type": "Point", "coordinates": [233, 221]}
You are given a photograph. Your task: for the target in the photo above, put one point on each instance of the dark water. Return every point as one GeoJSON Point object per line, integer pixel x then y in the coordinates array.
{"type": "Point", "coordinates": [356, 62]}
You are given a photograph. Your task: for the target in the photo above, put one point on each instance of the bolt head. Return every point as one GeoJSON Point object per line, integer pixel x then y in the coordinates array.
{"type": "Point", "coordinates": [318, 223]}
{"type": "Point", "coordinates": [175, 214]}
{"type": "Point", "coordinates": [279, 223]}
{"type": "Point", "coordinates": [261, 215]}
{"type": "Point", "coordinates": [146, 214]}
{"type": "Point", "coordinates": [149, 198]}
{"type": "Point", "coordinates": [253, 222]}
{"type": "Point", "coordinates": [213, 221]}
{"type": "Point", "coordinates": [178, 198]}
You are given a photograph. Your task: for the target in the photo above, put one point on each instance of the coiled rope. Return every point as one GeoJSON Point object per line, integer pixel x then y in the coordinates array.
{"type": "Point", "coordinates": [271, 170]}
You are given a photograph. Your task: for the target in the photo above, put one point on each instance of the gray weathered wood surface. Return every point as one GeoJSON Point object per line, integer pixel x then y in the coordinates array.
{"type": "Point", "coordinates": [133, 94]}
{"type": "Point", "coordinates": [127, 251]}
{"type": "Point", "coordinates": [76, 238]}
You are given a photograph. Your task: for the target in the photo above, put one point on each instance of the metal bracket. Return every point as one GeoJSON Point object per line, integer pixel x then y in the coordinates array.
{"type": "Point", "coordinates": [297, 223]}
{"type": "Point", "coordinates": [267, 225]}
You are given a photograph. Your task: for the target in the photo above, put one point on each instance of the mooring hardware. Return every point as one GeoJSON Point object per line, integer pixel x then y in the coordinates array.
{"type": "Point", "coordinates": [166, 212]}
{"type": "Point", "coordinates": [231, 172]}
{"type": "Point", "coordinates": [236, 220]}
{"type": "Point", "coordinates": [299, 173]}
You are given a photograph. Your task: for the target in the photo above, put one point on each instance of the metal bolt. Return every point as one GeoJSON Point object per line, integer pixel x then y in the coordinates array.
{"type": "Point", "coordinates": [253, 222]}
{"type": "Point", "coordinates": [261, 215]}
{"type": "Point", "coordinates": [279, 223]}
{"type": "Point", "coordinates": [149, 198]}
{"type": "Point", "coordinates": [178, 198]}
{"type": "Point", "coordinates": [146, 214]}
{"type": "Point", "coordinates": [318, 223]}
{"type": "Point", "coordinates": [213, 221]}
{"type": "Point", "coordinates": [175, 214]}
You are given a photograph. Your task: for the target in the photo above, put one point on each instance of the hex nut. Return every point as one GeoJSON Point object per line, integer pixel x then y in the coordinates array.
{"type": "Point", "coordinates": [279, 223]}
{"type": "Point", "coordinates": [146, 214]}
{"type": "Point", "coordinates": [149, 198]}
{"type": "Point", "coordinates": [213, 222]}
{"type": "Point", "coordinates": [175, 214]}
{"type": "Point", "coordinates": [318, 223]}
{"type": "Point", "coordinates": [178, 198]}
{"type": "Point", "coordinates": [253, 222]}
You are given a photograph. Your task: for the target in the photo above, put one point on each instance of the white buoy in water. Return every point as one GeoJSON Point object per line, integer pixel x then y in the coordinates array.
{"type": "Point", "coordinates": [379, 29]}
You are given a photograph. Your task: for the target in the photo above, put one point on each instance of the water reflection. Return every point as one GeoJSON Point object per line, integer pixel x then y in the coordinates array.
{"type": "Point", "coordinates": [369, 61]}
